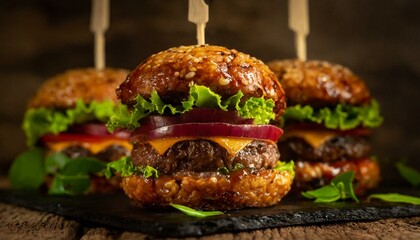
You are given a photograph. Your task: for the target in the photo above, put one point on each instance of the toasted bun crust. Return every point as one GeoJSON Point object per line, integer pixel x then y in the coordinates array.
{"type": "Point", "coordinates": [319, 83]}
{"type": "Point", "coordinates": [225, 71]}
{"type": "Point", "coordinates": [240, 189]}
{"type": "Point", "coordinates": [62, 91]}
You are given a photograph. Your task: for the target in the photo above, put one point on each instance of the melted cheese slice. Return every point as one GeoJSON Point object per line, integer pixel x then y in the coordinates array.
{"type": "Point", "coordinates": [232, 145]}
{"type": "Point", "coordinates": [315, 138]}
{"type": "Point", "coordinates": [93, 147]}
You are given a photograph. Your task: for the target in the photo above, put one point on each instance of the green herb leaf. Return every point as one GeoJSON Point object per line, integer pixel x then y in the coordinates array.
{"type": "Point", "coordinates": [238, 166]}
{"type": "Point", "coordinates": [341, 187]}
{"type": "Point", "coordinates": [259, 109]}
{"type": "Point", "coordinates": [346, 179]}
{"type": "Point", "coordinates": [82, 165]}
{"type": "Point", "coordinates": [409, 174]}
{"type": "Point", "coordinates": [341, 117]}
{"type": "Point", "coordinates": [74, 177]}
{"type": "Point", "coordinates": [55, 162]}
{"type": "Point", "coordinates": [395, 197]}
{"type": "Point", "coordinates": [27, 170]}
{"type": "Point", "coordinates": [328, 193]}
{"type": "Point", "coordinates": [223, 170]}
{"type": "Point", "coordinates": [69, 185]}
{"type": "Point", "coordinates": [195, 213]}
{"type": "Point", "coordinates": [40, 121]}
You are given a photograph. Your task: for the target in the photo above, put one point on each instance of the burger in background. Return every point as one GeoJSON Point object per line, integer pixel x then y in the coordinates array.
{"type": "Point", "coordinates": [327, 124]}
{"type": "Point", "coordinates": [66, 133]}
{"type": "Point", "coordinates": [202, 135]}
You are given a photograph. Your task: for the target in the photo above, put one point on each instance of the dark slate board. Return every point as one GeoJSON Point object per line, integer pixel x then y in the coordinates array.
{"type": "Point", "coordinates": [115, 210]}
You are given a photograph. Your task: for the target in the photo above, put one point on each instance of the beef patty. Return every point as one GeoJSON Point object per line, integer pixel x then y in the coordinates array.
{"type": "Point", "coordinates": [111, 153]}
{"type": "Point", "coordinates": [342, 147]}
{"type": "Point", "coordinates": [203, 155]}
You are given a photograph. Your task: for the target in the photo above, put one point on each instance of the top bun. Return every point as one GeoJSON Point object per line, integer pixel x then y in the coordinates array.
{"type": "Point", "coordinates": [319, 83]}
{"type": "Point", "coordinates": [224, 71]}
{"type": "Point", "coordinates": [63, 90]}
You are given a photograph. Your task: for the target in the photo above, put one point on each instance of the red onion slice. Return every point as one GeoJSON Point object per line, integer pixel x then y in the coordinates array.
{"type": "Point", "coordinates": [197, 115]}
{"type": "Point", "coordinates": [263, 132]}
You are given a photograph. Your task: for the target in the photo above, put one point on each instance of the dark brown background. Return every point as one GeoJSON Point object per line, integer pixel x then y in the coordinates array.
{"type": "Point", "coordinates": [379, 40]}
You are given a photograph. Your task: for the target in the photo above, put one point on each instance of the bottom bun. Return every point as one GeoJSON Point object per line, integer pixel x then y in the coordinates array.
{"type": "Point", "coordinates": [211, 190]}
{"type": "Point", "coordinates": [311, 175]}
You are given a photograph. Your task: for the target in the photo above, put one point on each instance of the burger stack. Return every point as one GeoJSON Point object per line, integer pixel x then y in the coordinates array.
{"type": "Point", "coordinates": [328, 121]}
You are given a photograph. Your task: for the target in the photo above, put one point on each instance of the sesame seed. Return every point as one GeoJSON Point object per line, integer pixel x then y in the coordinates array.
{"type": "Point", "coordinates": [190, 75]}
{"type": "Point", "coordinates": [223, 81]}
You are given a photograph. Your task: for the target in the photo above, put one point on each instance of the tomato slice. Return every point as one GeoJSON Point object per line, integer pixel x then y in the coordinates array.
{"type": "Point", "coordinates": [88, 132]}
{"type": "Point", "coordinates": [71, 137]}
{"type": "Point", "coordinates": [263, 132]}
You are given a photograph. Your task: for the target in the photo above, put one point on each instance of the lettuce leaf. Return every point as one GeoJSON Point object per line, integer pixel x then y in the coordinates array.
{"type": "Point", "coordinates": [126, 168]}
{"type": "Point", "coordinates": [259, 109]}
{"type": "Point", "coordinates": [283, 166]}
{"type": "Point", "coordinates": [341, 117]}
{"type": "Point", "coordinates": [40, 121]}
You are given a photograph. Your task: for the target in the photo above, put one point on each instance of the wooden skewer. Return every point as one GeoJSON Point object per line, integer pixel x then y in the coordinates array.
{"type": "Point", "coordinates": [299, 23]}
{"type": "Point", "coordinates": [198, 13]}
{"type": "Point", "coordinates": [98, 25]}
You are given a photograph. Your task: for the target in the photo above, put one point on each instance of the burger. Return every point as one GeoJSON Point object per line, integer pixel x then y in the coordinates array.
{"type": "Point", "coordinates": [65, 122]}
{"type": "Point", "coordinates": [327, 124]}
{"type": "Point", "coordinates": [203, 135]}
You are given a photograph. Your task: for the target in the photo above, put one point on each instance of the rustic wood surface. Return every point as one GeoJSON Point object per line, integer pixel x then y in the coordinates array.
{"type": "Point", "coordinates": [21, 223]}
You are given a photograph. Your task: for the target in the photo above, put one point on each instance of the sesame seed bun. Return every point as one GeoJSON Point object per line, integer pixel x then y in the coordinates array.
{"type": "Point", "coordinates": [224, 71]}
{"type": "Point", "coordinates": [319, 83]}
{"type": "Point", "coordinates": [210, 190]}
{"type": "Point", "coordinates": [63, 90]}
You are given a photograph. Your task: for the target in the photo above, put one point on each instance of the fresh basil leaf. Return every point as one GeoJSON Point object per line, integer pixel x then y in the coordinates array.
{"type": "Point", "coordinates": [223, 170]}
{"type": "Point", "coordinates": [74, 179]}
{"type": "Point", "coordinates": [69, 185]}
{"type": "Point", "coordinates": [409, 174]}
{"type": "Point", "coordinates": [55, 162]}
{"type": "Point", "coordinates": [27, 170]}
{"type": "Point", "coordinates": [195, 213]}
{"type": "Point", "coordinates": [258, 109]}
{"type": "Point", "coordinates": [328, 193]}
{"type": "Point", "coordinates": [238, 166]}
{"type": "Point", "coordinates": [347, 179]}
{"type": "Point", "coordinates": [82, 166]}
{"type": "Point", "coordinates": [341, 117]}
{"type": "Point", "coordinates": [40, 121]}
{"type": "Point", "coordinates": [395, 197]}
{"type": "Point", "coordinates": [341, 187]}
